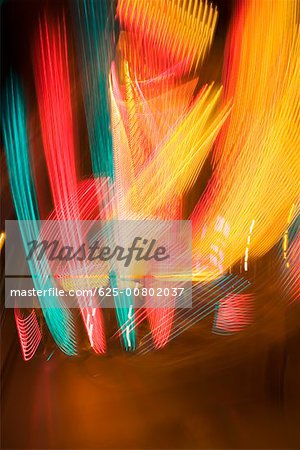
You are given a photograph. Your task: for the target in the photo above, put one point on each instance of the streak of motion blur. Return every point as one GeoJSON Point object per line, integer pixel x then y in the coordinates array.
{"type": "Point", "coordinates": [161, 110]}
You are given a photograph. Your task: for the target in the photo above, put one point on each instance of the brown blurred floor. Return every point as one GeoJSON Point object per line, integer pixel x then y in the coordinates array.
{"type": "Point", "coordinates": [203, 391]}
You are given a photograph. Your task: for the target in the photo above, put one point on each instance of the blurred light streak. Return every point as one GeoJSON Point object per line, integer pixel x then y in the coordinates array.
{"type": "Point", "coordinates": [205, 299]}
{"type": "Point", "coordinates": [97, 43]}
{"type": "Point", "coordinates": [29, 333]}
{"type": "Point", "coordinates": [51, 69]}
{"type": "Point", "coordinates": [178, 160]}
{"type": "Point", "coordinates": [150, 131]}
{"type": "Point", "coordinates": [125, 315]}
{"type": "Point", "coordinates": [180, 32]}
{"type": "Point", "coordinates": [161, 135]}
{"type": "Point", "coordinates": [2, 239]}
{"type": "Point", "coordinates": [95, 23]}
{"type": "Point", "coordinates": [246, 257]}
{"type": "Point", "coordinates": [256, 172]}
{"type": "Point", "coordinates": [59, 320]}
{"type": "Point", "coordinates": [55, 107]}
{"type": "Point", "coordinates": [286, 235]}
{"type": "Point", "coordinates": [290, 272]}
{"type": "Point", "coordinates": [234, 313]}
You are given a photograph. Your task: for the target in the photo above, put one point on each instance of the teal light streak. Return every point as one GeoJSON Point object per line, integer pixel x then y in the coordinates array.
{"type": "Point", "coordinates": [50, 356]}
{"type": "Point", "coordinates": [125, 318]}
{"type": "Point", "coordinates": [95, 21]}
{"type": "Point", "coordinates": [58, 320]}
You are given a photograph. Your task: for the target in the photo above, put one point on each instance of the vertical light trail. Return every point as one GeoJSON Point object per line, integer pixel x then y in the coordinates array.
{"type": "Point", "coordinates": [54, 99]}
{"type": "Point", "coordinates": [290, 275]}
{"type": "Point", "coordinates": [2, 239]}
{"type": "Point", "coordinates": [246, 257]}
{"type": "Point", "coordinates": [168, 135]}
{"type": "Point", "coordinates": [125, 315]}
{"type": "Point", "coordinates": [59, 320]}
{"type": "Point", "coordinates": [285, 241]}
{"type": "Point", "coordinates": [95, 22]}
{"type": "Point", "coordinates": [51, 69]}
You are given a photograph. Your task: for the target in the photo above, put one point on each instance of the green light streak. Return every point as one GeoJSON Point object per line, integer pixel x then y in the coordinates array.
{"type": "Point", "coordinates": [58, 320]}
{"type": "Point", "coordinates": [95, 21]}
{"type": "Point", "coordinates": [125, 317]}
{"type": "Point", "coordinates": [96, 24]}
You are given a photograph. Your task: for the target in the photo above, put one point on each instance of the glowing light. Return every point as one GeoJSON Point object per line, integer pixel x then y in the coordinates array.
{"type": "Point", "coordinates": [180, 33]}
{"type": "Point", "coordinates": [234, 313]}
{"type": "Point", "coordinates": [29, 333]}
{"type": "Point", "coordinates": [246, 257]}
{"type": "Point", "coordinates": [59, 320]}
{"type": "Point", "coordinates": [55, 107]}
{"type": "Point", "coordinates": [2, 239]}
{"type": "Point", "coordinates": [256, 162]}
